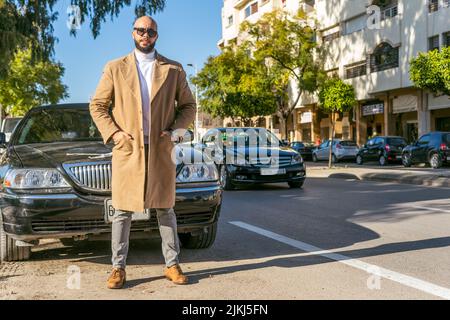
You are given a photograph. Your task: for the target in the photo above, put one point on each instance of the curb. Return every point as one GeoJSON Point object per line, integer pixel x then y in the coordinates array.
{"type": "Point", "coordinates": [428, 180]}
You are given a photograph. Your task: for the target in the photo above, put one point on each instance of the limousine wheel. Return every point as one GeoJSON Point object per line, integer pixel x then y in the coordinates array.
{"type": "Point", "coordinates": [295, 184]}
{"type": "Point", "coordinates": [9, 251]}
{"type": "Point", "coordinates": [201, 241]}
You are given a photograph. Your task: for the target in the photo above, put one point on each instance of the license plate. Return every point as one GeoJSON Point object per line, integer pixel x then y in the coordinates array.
{"type": "Point", "coordinates": [110, 213]}
{"type": "Point", "coordinates": [399, 157]}
{"type": "Point", "coordinates": [272, 171]}
{"type": "Point", "coordinates": [448, 158]}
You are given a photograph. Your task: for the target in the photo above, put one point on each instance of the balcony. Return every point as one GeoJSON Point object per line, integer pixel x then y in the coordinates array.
{"type": "Point", "coordinates": [238, 4]}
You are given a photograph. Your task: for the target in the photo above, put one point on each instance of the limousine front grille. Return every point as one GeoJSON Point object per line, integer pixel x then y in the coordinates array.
{"type": "Point", "coordinates": [91, 176]}
{"type": "Point", "coordinates": [100, 224]}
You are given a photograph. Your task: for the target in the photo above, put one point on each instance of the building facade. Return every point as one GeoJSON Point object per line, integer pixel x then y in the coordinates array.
{"type": "Point", "coordinates": [369, 44]}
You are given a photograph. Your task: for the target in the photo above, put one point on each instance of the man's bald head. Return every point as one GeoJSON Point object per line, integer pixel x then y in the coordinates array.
{"type": "Point", "coordinates": [145, 22]}
{"type": "Point", "coordinates": [145, 34]}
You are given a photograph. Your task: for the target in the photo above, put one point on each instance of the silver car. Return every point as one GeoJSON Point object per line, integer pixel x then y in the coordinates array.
{"type": "Point", "coordinates": [342, 150]}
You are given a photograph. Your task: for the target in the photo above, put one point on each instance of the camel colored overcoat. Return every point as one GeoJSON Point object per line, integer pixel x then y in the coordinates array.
{"type": "Point", "coordinates": [117, 105]}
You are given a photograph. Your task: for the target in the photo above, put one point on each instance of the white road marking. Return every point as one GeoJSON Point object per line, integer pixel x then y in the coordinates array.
{"type": "Point", "coordinates": [409, 281]}
{"type": "Point", "coordinates": [431, 209]}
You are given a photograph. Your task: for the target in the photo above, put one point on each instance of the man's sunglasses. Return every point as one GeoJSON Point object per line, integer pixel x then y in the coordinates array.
{"type": "Point", "coordinates": [141, 31]}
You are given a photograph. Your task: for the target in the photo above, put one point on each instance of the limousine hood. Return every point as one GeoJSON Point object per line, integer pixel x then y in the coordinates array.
{"type": "Point", "coordinates": [50, 155]}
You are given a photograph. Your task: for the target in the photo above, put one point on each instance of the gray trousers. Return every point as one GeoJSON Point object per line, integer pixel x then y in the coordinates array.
{"type": "Point", "coordinates": [121, 234]}
{"type": "Point", "coordinates": [121, 226]}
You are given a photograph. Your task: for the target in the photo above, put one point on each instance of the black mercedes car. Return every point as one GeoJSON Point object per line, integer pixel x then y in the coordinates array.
{"type": "Point", "coordinates": [55, 182]}
{"type": "Point", "coordinates": [304, 148]}
{"type": "Point", "coordinates": [253, 156]}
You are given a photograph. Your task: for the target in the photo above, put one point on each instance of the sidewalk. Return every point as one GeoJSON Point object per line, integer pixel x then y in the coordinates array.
{"type": "Point", "coordinates": [396, 174]}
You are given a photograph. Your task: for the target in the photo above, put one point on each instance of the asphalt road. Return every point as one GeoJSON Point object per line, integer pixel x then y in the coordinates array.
{"type": "Point", "coordinates": [334, 239]}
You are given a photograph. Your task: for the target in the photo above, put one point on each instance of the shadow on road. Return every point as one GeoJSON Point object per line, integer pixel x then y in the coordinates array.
{"type": "Point", "coordinates": [329, 215]}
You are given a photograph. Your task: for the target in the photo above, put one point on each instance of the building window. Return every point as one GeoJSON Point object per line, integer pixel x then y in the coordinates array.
{"type": "Point", "coordinates": [263, 2]}
{"type": "Point", "coordinates": [446, 38]}
{"type": "Point", "coordinates": [332, 73]}
{"type": "Point", "coordinates": [251, 9]}
{"type": "Point", "coordinates": [331, 37]}
{"type": "Point", "coordinates": [283, 2]}
{"type": "Point", "coordinates": [247, 12]}
{"type": "Point", "coordinates": [384, 57]}
{"type": "Point", "coordinates": [433, 5]}
{"type": "Point", "coordinates": [230, 21]}
{"type": "Point", "coordinates": [331, 33]}
{"type": "Point", "coordinates": [356, 70]}
{"type": "Point", "coordinates": [433, 43]}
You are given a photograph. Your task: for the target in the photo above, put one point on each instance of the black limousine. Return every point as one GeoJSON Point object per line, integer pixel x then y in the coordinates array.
{"type": "Point", "coordinates": [55, 182]}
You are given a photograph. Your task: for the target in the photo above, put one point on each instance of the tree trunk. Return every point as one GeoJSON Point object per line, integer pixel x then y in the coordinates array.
{"type": "Point", "coordinates": [332, 140]}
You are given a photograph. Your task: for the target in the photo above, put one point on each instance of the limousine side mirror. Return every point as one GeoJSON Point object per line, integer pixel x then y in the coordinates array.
{"type": "Point", "coordinates": [2, 140]}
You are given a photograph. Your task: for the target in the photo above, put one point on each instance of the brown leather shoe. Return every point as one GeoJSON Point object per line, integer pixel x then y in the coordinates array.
{"type": "Point", "coordinates": [175, 274]}
{"type": "Point", "coordinates": [117, 278]}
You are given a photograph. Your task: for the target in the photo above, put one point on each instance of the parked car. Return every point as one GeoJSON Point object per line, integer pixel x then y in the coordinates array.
{"type": "Point", "coordinates": [382, 149]}
{"type": "Point", "coordinates": [432, 148]}
{"type": "Point", "coordinates": [55, 182]}
{"type": "Point", "coordinates": [304, 148]}
{"type": "Point", "coordinates": [8, 126]}
{"type": "Point", "coordinates": [244, 158]}
{"type": "Point", "coordinates": [342, 150]}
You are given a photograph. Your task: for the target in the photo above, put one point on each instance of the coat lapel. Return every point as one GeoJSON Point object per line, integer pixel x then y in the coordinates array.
{"type": "Point", "coordinates": [131, 77]}
{"type": "Point", "coordinates": [160, 72]}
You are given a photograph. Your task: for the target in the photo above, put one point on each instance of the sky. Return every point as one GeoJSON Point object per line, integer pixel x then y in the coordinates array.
{"type": "Point", "coordinates": [188, 33]}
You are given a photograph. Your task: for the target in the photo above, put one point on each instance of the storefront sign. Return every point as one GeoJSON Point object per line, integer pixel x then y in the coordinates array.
{"type": "Point", "coordinates": [306, 117]}
{"type": "Point", "coordinates": [372, 109]}
{"type": "Point", "coordinates": [405, 103]}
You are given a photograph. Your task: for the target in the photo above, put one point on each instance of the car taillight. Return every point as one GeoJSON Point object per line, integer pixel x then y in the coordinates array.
{"type": "Point", "coordinates": [387, 148]}
{"type": "Point", "coordinates": [443, 147]}
{"type": "Point", "coordinates": [338, 146]}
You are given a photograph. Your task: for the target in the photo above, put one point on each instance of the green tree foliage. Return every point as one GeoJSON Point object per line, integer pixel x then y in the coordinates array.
{"type": "Point", "coordinates": [287, 45]}
{"type": "Point", "coordinates": [25, 22]}
{"type": "Point", "coordinates": [336, 96]}
{"type": "Point", "coordinates": [30, 83]}
{"type": "Point", "coordinates": [234, 85]}
{"type": "Point", "coordinates": [431, 71]}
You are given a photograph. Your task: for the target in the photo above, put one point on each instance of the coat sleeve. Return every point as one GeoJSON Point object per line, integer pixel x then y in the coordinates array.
{"type": "Point", "coordinates": [100, 105]}
{"type": "Point", "coordinates": [185, 103]}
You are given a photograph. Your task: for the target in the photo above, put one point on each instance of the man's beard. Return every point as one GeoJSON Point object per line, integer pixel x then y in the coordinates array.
{"type": "Point", "coordinates": [147, 49]}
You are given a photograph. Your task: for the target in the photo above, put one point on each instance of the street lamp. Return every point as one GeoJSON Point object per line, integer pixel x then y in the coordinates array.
{"type": "Point", "coordinates": [196, 133]}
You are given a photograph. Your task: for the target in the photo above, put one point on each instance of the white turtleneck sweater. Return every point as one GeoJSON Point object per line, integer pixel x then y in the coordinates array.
{"type": "Point", "coordinates": [145, 63]}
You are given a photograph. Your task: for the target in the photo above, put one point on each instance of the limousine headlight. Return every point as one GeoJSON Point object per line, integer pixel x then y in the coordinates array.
{"type": "Point", "coordinates": [198, 173]}
{"type": "Point", "coordinates": [34, 179]}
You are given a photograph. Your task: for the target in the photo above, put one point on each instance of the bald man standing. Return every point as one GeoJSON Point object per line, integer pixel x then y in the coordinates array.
{"type": "Point", "coordinates": [140, 101]}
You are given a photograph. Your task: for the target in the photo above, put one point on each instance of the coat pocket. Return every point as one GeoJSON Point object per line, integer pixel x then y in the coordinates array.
{"type": "Point", "coordinates": [125, 145]}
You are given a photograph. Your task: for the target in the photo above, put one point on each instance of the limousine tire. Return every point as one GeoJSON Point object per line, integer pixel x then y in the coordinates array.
{"type": "Point", "coordinates": [295, 184]}
{"type": "Point", "coordinates": [9, 251]}
{"type": "Point", "coordinates": [199, 241]}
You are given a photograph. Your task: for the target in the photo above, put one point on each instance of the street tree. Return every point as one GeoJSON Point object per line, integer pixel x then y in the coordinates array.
{"type": "Point", "coordinates": [431, 71]}
{"type": "Point", "coordinates": [233, 85]}
{"type": "Point", "coordinates": [25, 22]}
{"type": "Point", "coordinates": [287, 45]}
{"type": "Point", "coordinates": [30, 83]}
{"type": "Point", "coordinates": [335, 96]}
